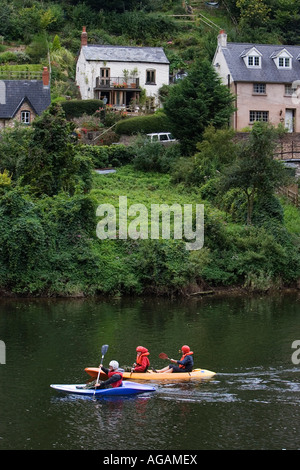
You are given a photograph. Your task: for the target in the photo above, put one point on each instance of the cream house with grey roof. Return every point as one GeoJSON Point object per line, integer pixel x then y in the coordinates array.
{"type": "Point", "coordinates": [264, 79]}
{"type": "Point", "coordinates": [119, 73]}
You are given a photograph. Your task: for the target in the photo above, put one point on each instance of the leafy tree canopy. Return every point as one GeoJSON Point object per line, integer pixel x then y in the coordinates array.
{"type": "Point", "coordinates": [197, 101]}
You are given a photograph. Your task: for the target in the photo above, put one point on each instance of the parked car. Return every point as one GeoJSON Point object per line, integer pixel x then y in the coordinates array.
{"type": "Point", "coordinates": [164, 138]}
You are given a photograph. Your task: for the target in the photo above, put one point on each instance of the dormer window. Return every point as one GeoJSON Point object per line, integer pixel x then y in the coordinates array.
{"type": "Point", "coordinates": [252, 58]}
{"type": "Point", "coordinates": [282, 59]}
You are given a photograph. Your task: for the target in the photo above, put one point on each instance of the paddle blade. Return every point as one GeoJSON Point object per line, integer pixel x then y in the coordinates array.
{"type": "Point", "coordinates": [104, 349]}
{"type": "Point", "coordinates": [163, 356]}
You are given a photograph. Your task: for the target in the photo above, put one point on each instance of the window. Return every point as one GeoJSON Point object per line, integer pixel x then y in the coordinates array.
{"type": "Point", "coordinates": [259, 116]}
{"type": "Point", "coordinates": [253, 61]}
{"type": "Point", "coordinates": [259, 88]}
{"type": "Point", "coordinates": [25, 117]}
{"type": "Point", "coordinates": [150, 77]}
{"type": "Point", "coordinates": [289, 89]}
{"type": "Point", "coordinates": [104, 76]}
{"type": "Point", "coordinates": [284, 62]}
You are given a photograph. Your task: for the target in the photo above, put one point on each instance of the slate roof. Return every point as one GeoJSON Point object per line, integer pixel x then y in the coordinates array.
{"type": "Point", "coordinates": [125, 54]}
{"type": "Point", "coordinates": [14, 92]}
{"type": "Point", "coordinates": [268, 73]}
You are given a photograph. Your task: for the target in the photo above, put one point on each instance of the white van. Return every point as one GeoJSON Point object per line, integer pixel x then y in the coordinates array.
{"type": "Point", "coordinates": [164, 138]}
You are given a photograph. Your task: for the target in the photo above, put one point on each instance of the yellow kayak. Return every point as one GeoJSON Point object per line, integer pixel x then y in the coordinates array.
{"type": "Point", "coordinates": [196, 374]}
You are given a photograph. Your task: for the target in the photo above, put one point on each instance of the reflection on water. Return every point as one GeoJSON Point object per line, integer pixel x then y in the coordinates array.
{"type": "Point", "coordinates": [251, 403]}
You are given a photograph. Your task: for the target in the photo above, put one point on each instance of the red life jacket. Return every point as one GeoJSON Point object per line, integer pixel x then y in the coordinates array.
{"type": "Point", "coordinates": [142, 359]}
{"type": "Point", "coordinates": [119, 382]}
{"type": "Point", "coordinates": [190, 353]}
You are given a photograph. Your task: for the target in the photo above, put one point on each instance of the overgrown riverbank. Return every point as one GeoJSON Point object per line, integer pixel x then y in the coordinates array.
{"type": "Point", "coordinates": [56, 251]}
{"type": "Point", "coordinates": [50, 192]}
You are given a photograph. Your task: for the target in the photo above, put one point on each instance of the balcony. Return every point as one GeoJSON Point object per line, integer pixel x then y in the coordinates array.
{"type": "Point", "coordinates": [111, 83]}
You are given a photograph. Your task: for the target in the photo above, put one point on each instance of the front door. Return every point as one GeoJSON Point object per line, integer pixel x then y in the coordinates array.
{"type": "Point", "coordinates": [289, 120]}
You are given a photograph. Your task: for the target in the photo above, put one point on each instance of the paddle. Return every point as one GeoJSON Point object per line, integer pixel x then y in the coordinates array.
{"type": "Point", "coordinates": [163, 356]}
{"type": "Point", "coordinates": [103, 352]}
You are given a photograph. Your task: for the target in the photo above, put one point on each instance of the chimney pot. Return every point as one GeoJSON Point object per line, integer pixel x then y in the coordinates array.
{"type": "Point", "coordinates": [84, 36]}
{"type": "Point", "coordinates": [46, 76]}
{"type": "Point", "coordinates": [222, 38]}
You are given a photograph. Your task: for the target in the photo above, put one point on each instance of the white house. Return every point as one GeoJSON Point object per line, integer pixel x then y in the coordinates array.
{"type": "Point", "coordinates": [119, 73]}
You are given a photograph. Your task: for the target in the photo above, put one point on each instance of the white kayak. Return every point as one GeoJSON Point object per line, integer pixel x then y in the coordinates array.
{"type": "Point", "coordinates": [127, 388]}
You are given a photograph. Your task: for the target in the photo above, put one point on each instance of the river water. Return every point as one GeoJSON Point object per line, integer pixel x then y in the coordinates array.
{"type": "Point", "coordinates": [251, 403]}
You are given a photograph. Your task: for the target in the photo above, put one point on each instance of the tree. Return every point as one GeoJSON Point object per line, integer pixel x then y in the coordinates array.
{"type": "Point", "coordinates": [255, 171]}
{"type": "Point", "coordinates": [254, 13]}
{"type": "Point", "coordinates": [52, 164]}
{"type": "Point", "coordinates": [197, 101]}
{"type": "Point", "coordinates": [215, 151]}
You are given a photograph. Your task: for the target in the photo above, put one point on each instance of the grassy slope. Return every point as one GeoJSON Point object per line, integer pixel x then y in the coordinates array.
{"type": "Point", "coordinates": [239, 250]}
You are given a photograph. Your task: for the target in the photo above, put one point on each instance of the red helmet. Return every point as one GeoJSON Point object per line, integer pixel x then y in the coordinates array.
{"type": "Point", "coordinates": [185, 349]}
{"type": "Point", "coordinates": [141, 349]}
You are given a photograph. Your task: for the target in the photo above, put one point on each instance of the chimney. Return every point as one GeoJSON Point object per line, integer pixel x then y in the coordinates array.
{"type": "Point", "coordinates": [222, 38]}
{"type": "Point", "coordinates": [83, 37]}
{"type": "Point", "coordinates": [46, 76]}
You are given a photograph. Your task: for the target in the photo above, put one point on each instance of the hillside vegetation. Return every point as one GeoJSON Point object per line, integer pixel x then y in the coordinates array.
{"type": "Point", "coordinates": [31, 29]}
{"type": "Point", "coordinates": [49, 191]}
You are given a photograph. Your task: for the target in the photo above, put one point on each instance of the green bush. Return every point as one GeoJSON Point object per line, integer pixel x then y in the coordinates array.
{"type": "Point", "coordinates": [161, 266]}
{"type": "Point", "coordinates": [8, 57]}
{"type": "Point", "coordinates": [156, 157]}
{"type": "Point", "coordinates": [107, 155]}
{"type": "Point", "coordinates": [45, 244]}
{"type": "Point", "coordinates": [76, 108]}
{"type": "Point", "coordinates": [253, 258]}
{"type": "Point", "coordinates": [143, 125]}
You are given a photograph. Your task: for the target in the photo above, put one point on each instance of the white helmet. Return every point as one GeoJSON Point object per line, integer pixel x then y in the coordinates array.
{"type": "Point", "coordinates": [114, 365]}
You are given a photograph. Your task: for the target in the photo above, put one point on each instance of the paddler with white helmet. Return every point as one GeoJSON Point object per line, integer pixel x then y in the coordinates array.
{"type": "Point", "coordinates": [115, 376]}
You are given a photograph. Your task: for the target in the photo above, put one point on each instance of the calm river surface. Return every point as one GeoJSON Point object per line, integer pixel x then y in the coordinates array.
{"type": "Point", "coordinates": [252, 403]}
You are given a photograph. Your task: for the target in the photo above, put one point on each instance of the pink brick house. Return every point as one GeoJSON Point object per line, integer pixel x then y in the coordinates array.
{"type": "Point", "coordinates": [264, 78]}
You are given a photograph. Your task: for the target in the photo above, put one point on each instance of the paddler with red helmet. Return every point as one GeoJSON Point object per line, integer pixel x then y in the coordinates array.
{"type": "Point", "coordinates": [185, 363]}
{"type": "Point", "coordinates": [142, 361]}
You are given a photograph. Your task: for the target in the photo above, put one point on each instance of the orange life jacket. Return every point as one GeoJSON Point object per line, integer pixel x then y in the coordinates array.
{"type": "Point", "coordinates": [142, 359]}
{"type": "Point", "coordinates": [190, 353]}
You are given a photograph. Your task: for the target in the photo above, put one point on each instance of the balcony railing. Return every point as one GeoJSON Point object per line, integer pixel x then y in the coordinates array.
{"type": "Point", "coordinates": [116, 82]}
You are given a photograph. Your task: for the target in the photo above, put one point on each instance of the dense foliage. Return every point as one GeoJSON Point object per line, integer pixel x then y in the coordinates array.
{"type": "Point", "coordinates": [49, 192]}
{"type": "Point", "coordinates": [200, 99]}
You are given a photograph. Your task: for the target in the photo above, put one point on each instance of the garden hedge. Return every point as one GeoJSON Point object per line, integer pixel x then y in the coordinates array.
{"type": "Point", "coordinates": [143, 125]}
{"type": "Point", "coordinates": [76, 108]}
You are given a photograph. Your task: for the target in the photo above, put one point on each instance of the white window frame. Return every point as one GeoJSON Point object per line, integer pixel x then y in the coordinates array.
{"type": "Point", "coordinates": [25, 117]}
{"type": "Point", "coordinates": [284, 62]}
{"type": "Point", "coordinates": [253, 61]}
